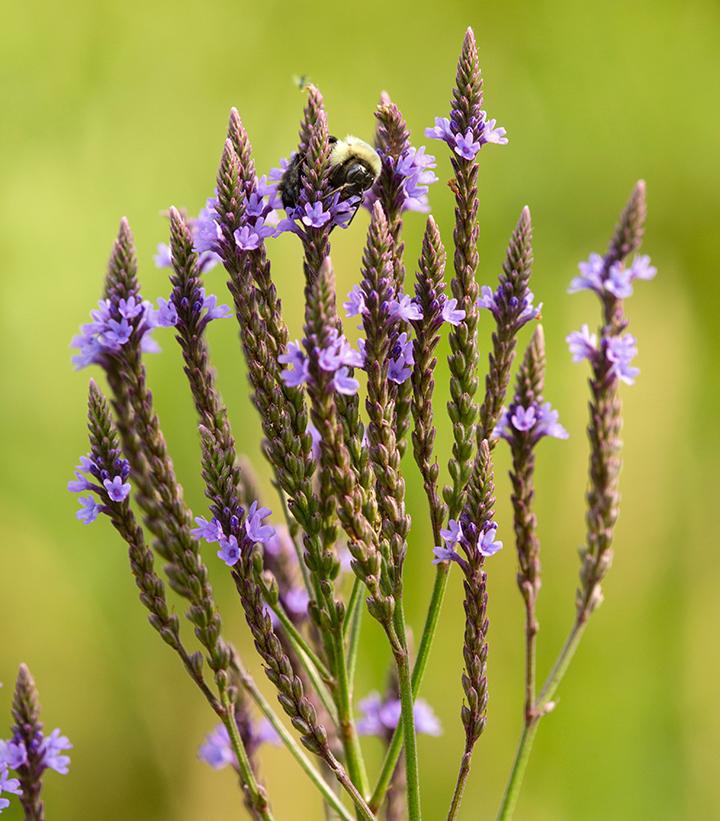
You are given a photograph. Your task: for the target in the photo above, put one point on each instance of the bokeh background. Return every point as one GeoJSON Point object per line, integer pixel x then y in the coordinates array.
{"type": "Point", "coordinates": [112, 109]}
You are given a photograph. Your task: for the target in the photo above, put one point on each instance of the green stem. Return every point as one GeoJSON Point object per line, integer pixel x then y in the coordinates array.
{"type": "Point", "coordinates": [348, 733]}
{"type": "Point", "coordinates": [402, 660]}
{"type": "Point", "coordinates": [354, 602]}
{"type": "Point", "coordinates": [431, 620]}
{"type": "Point", "coordinates": [354, 615]}
{"type": "Point", "coordinates": [256, 794]}
{"type": "Point", "coordinates": [295, 749]}
{"type": "Point", "coordinates": [542, 706]}
{"type": "Point", "coordinates": [460, 785]}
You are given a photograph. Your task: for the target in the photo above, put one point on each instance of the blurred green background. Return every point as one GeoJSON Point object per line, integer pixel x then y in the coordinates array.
{"type": "Point", "coordinates": [112, 109]}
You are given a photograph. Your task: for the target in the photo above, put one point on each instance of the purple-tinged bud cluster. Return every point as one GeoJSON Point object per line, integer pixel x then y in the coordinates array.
{"type": "Point", "coordinates": [217, 750]}
{"type": "Point", "coordinates": [616, 280]}
{"type": "Point", "coordinates": [253, 525]}
{"type": "Point", "coordinates": [114, 322]}
{"type": "Point", "coordinates": [336, 357]}
{"type": "Point", "coordinates": [455, 534]}
{"type": "Point", "coordinates": [467, 144]}
{"type": "Point", "coordinates": [108, 482]}
{"type": "Point", "coordinates": [534, 421]}
{"type": "Point", "coordinates": [507, 307]}
{"type": "Point", "coordinates": [618, 352]}
{"type": "Point", "coordinates": [411, 174]}
{"type": "Point", "coordinates": [380, 717]}
{"type": "Point", "coordinates": [401, 359]}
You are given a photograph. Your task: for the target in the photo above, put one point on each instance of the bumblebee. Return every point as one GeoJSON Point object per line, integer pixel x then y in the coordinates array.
{"type": "Point", "coordinates": [354, 167]}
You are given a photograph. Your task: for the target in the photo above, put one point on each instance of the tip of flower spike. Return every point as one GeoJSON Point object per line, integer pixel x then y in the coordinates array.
{"type": "Point", "coordinates": [385, 99]}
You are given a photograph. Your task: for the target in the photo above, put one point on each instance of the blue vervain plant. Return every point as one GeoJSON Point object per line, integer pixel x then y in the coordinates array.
{"type": "Point", "coordinates": [336, 462]}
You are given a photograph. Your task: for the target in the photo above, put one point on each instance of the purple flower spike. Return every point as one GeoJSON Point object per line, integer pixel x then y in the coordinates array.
{"type": "Point", "coordinates": [487, 544]}
{"type": "Point", "coordinates": [89, 510]}
{"type": "Point", "coordinates": [229, 551]}
{"type": "Point", "coordinates": [117, 490]}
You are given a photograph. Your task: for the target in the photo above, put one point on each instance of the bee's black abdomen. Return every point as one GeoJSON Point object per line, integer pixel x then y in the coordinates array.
{"type": "Point", "coordinates": [289, 187]}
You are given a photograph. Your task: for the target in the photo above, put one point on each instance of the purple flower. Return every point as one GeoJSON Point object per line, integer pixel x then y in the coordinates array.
{"type": "Point", "coordinates": [641, 268]}
{"type": "Point", "coordinates": [89, 510]}
{"type": "Point", "coordinates": [618, 281]}
{"type": "Point", "coordinates": [487, 544]}
{"type": "Point", "coordinates": [296, 601]}
{"type": "Point", "coordinates": [582, 344]}
{"type": "Point", "coordinates": [453, 534]}
{"type": "Point", "coordinates": [314, 215]}
{"type": "Point", "coordinates": [213, 310]}
{"type": "Point", "coordinates": [344, 383]}
{"type": "Point", "coordinates": [12, 754]}
{"type": "Point", "coordinates": [79, 484]}
{"type": "Point", "coordinates": [116, 333]}
{"type": "Point", "coordinates": [523, 419]}
{"type": "Point", "coordinates": [548, 423]}
{"type": "Point", "coordinates": [131, 307]}
{"type": "Point", "coordinates": [316, 439]}
{"type": "Point", "coordinates": [591, 275]}
{"type": "Point", "coordinates": [400, 366]}
{"type": "Point", "coordinates": [210, 531]}
{"type": "Point", "coordinates": [467, 144]}
{"type": "Point", "coordinates": [492, 133]}
{"type": "Point", "coordinates": [411, 174]}
{"type": "Point", "coordinates": [355, 303]}
{"type": "Point", "coordinates": [207, 232]}
{"type": "Point", "coordinates": [8, 785]}
{"type": "Point", "coordinates": [229, 550]}
{"type": "Point", "coordinates": [250, 236]}
{"type": "Point", "coordinates": [405, 309]}
{"type": "Point", "coordinates": [162, 258]}
{"type": "Point", "coordinates": [297, 371]}
{"type": "Point", "coordinates": [445, 554]}
{"type": "Point", "coordinates": [452, 314]}
{"type": "Point", "coordinates": [254, 526]}
{"type": "Point", "coordinates": [217, 750]}
{"type": "Point", "coordinates": [534, 421]}
{"type": "Point", "coordinates": [441, 130]}
{"type": "Point", "coordinates": [166, 314]}
{"type": "Point", "coordinates": [337, 353]}
{"type": "Point", "coordinates": [620, 351]}
{"type": "Point", "coordinates": [381, 718]}
{"type": "Point", "coordinates": [117, 490]}
{"type": "Point", "coordinates": [52, 748]}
